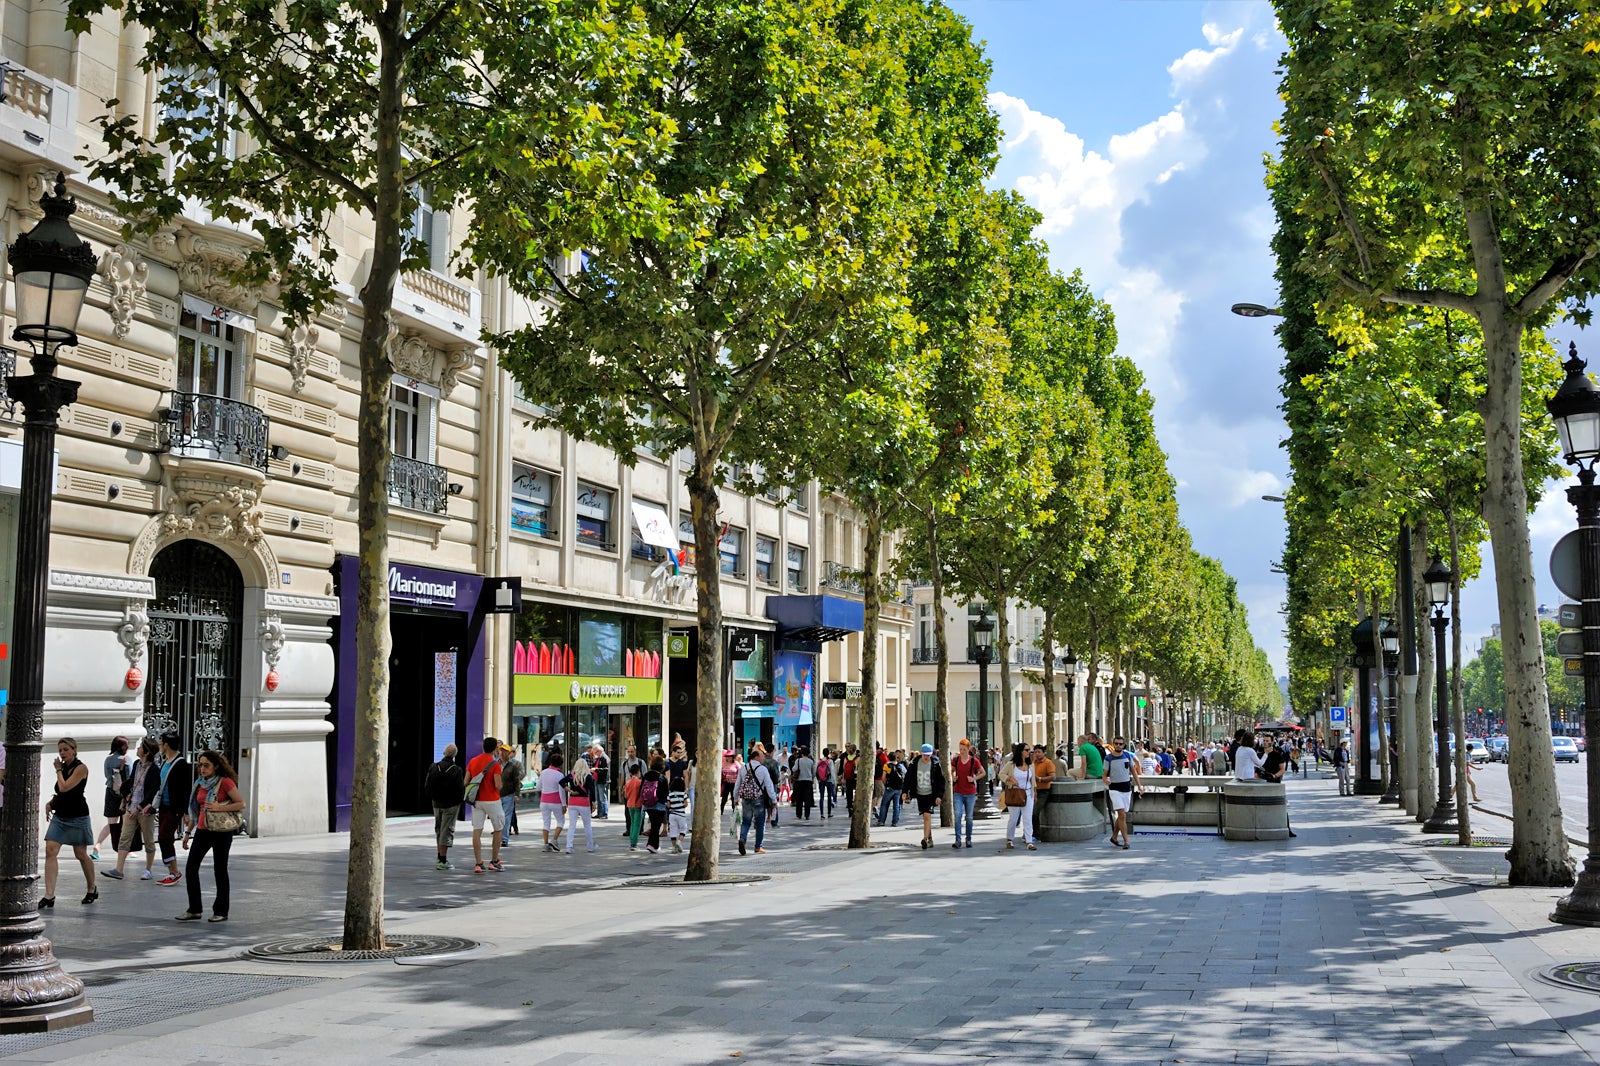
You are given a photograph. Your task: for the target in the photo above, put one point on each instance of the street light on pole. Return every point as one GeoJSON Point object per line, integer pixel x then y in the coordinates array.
{"type": "Point", "coordinates": [1576, 409]}
{"type": "Point", "coordinates": [51, 267]}
{"type": "Point", "coordinates": [1439, 579]}
{"type": "Point", "coordinates": [983, 655]}
{"type": "Point", "coordinates": [1389, 638]}
{"type": "Point", "coordinates": [1070, 662]}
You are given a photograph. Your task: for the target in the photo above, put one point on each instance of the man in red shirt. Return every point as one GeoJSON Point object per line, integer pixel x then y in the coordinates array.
{"type": "Point", "coordinates": [483, 792]}
{"type": "Point", "coordinates": [966, 770]}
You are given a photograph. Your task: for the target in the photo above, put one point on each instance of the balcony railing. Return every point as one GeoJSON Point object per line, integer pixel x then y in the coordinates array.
{"type": "Point", "coordinates": [215, 427]}
{"type": "Point", "coordinates": [923, 656]}
{"type": "Point", "coordinates": [419, 486]}
{"type": "Point", "coordinates": [841, 577]}
{"type": "Point", "coordinates": [8, 367]}
{"type": "Point", "coordinates": [1027, 657]}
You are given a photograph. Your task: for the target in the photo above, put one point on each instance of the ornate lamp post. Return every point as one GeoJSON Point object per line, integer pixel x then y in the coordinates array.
{"type": "Point", "coordinates": [1438, 578]}
{"type": "Point", "coordinates": [51, 267]}
{"type": "Point", "coordinates": [1361, 657]}
{"type": "Point", "coordinates": [1389, 637]}
{"type": "Point", "coordinates": [1576, 409]}
{"type": "Point", "coordinates": [1070, 663]}
{"type": "Point", "coordinates": [983, 655]}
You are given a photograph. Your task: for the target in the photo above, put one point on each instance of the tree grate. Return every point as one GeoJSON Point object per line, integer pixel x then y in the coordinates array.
{"type": "Point", "coordinates": [327, 949]}
{"type": "Point", "coordinates": [124, 1004]}
{"type": "Point", "coordinates": [1583, 976]}
{"type": "Point", "coordinates": [679, 882]}
{"type": "Point", "coordinates": [876, 845]}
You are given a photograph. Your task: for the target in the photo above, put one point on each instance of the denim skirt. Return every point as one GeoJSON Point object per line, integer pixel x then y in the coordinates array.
{"type": "Point", "coordinates": [73, 832]}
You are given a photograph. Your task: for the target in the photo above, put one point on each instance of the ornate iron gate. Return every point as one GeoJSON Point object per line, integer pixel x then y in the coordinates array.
{"type": "Point", "coordinates": [194, 648]}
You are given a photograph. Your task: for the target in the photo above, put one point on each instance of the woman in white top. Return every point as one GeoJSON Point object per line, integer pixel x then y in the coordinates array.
{"type": "Point", "coordinates": [1018, 774]}
{"type": "Point", "coordinates": [1246, 761]}
{"type": "Point", "coordinates": [552, 801]}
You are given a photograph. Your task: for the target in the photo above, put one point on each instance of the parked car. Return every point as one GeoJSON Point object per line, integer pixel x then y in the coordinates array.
{"type": "Point", "coordinates": [1583, 743]}
{"type": "Point", "coordinates": [1498, 747]}
{"type": "Point", "coordinates": [1565, 749]}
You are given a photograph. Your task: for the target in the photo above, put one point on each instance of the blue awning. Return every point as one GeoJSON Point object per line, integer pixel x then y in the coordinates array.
{"type": "Point", "coordinates": [816, 617]}
{"type": "Point", "coordinates": [757, 710]}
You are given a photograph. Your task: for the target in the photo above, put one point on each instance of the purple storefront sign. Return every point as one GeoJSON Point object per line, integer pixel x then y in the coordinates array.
{"type": "Point", "coordinates": [409, 586]}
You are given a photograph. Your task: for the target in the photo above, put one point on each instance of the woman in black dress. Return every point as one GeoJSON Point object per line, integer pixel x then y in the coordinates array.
{"type": "Point", "coordinates": [69, 822]}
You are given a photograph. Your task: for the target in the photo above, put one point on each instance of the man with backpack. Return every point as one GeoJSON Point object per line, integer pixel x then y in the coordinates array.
{"type": "Point", "coordinates": [1121, 777]}
{"type": "Point", "coordinates": [827, 787]}
{"type": "Point", "coordinates": [894, 779]}
{"type": "Point", "coordinates": [446, 785]}
{"type": "Point", "coordinates": [755, 792]}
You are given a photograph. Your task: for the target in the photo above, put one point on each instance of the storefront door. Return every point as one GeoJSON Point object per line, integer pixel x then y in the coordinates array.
{"type": "Point", "coordinates": [194, 648]}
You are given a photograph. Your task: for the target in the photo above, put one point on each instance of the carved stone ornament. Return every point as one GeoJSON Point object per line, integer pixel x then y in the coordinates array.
{"type": "Point", "coordinates": [232, 512]}
{"type": "Point", "coordinates": [412, 355]}
{"type": "Point", "coordinates": [134, 632]}
{"type": "Point", "coordinates": [126, 275]}
{"type": "Point", "coordinates": [272, 638]}
{"type": "Point", "coordinates": [302, 343]}
{"type": "Point", "coordinates": [204, 263]}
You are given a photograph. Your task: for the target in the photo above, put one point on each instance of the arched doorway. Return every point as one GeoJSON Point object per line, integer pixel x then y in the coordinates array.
{"type": "Point", "coordinates": [195, 623]}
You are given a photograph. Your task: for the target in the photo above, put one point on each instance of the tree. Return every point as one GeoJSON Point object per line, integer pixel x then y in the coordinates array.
{"type": "Point", "coordinates": [1448, 161]}
{"type": "Point", "coordinates": [406, 93]}
{"type": "Point", "coordinates": [780, 228]}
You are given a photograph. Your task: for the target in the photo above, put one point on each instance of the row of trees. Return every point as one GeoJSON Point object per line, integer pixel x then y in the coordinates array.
{"type": "Point", "coordinates": [791, 264]}
{"type": "Point", "coordinates": [1483, 678]}
{"type": "Point", "coordinates": [1436, 195]}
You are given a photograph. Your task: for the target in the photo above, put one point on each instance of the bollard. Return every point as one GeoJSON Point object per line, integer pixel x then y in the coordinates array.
{"type": "Point", "coordinates": [1255, 811]}
{"type": "Point", "coordinates": [1075, 811]}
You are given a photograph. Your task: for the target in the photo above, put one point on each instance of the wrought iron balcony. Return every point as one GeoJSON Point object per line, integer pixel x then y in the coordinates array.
{"type": "Point", "coordinates": [1027, 657]}
{"type": "Point", "coordinates": [923, 656]}
{"type": "Point", "coordinates": [419, 486]}
{"type": "Point", "coordinates": [841, 577]}
{"type": "Point", "coordinates": [215, 427]}
{"type": "Point", "coordinates": [8, 367]}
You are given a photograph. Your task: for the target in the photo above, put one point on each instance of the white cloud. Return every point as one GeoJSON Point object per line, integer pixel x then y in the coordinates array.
{"type": "Point", "coordinates": [1190, 66]}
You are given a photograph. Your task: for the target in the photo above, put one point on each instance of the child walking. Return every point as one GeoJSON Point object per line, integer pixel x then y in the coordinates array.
{"type": "Point", "coordinates": [630, 796]}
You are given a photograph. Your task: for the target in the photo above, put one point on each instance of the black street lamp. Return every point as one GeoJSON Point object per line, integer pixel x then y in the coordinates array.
{"type": "Point", "coordinates": [1576, 409]}
{"type": "Point", "coordinates": [1439, 579]}
{"type": "Point", "coordinates": [1361, 645]}
{"type": "Point", "coordinates": [1389, 638]}
{"type": "Point", "coordinates": [983, 655]}
{"type": "Point", "coordinates": [51, 267]}
{"type": "Point", "coordinates": [1070, 663]}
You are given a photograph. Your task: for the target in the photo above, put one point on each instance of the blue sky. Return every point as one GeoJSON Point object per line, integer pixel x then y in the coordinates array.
{"type": "Point", "coordinates": [1138, 128]}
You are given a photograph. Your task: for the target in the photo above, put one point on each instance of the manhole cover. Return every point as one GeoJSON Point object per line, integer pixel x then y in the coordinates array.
{"type": "Point", "coordinates": [679, 882]}
{"type": "Point", "coordinates": [1450, 842]}
{"type": "Point", "coordinates": [326, 949]}
{"type": "Point", "coordinates": [1584, 976]}
{"type": "Point", "coordinates": [876, 845]}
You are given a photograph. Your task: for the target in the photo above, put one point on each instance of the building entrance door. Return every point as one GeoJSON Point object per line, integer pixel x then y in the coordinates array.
{"type": "Point", "coordinates": [195, 621]}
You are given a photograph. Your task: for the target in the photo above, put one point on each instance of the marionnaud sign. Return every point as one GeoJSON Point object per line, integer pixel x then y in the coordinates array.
{"type": "Point", "coordinates": [419, 590]}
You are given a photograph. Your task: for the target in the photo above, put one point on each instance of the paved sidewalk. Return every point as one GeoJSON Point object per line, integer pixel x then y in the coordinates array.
{"type": "Point", "coordinates": [1352, 944]}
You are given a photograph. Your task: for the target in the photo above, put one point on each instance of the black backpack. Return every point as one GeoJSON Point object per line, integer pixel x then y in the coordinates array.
{"type": "Point", "coordinates": [446, 784]}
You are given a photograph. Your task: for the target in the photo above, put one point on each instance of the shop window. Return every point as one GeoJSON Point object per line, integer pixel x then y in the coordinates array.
{"type": "Point", "coordinates": [795, 568]}
{"type": "Point", "coordinates": [532, 501]}
{"type": "Point", "coordinates": [730, 550]}
{"type": "Point", "coordinates": [594, 516]}
{"type": "Point", "coordinates": [973, 730]}
{"type": "Point", "coordinates": [766, 552]}
{"type": "Point", "coordinates": [686, 538]}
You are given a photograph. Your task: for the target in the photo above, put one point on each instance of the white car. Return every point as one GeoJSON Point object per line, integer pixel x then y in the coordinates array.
{"type": "Point", "coordinates": [1565, 749]}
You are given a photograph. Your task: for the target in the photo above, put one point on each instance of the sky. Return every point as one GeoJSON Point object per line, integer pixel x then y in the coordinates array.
{"type": "Point", "coordinates": [1138, 129]}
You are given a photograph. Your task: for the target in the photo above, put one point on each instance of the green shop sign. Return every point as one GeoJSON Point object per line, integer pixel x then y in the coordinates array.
{"type": "Point", "coordinates": [565, 689]}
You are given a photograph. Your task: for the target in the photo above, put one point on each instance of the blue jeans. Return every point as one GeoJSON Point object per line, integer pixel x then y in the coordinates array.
{"type": "Point", "coordinates": [891, 797]}
{"type": "Point", "coordinates": [602, 799]}
{"type": "Point", "coordinates": [509, 805]}
{"type": "Point", "coordinates": [752, 810]}
{"type": "Point", "coordinates": [966, 802]}
{"type": "Point", "coordinates": [830, 797]}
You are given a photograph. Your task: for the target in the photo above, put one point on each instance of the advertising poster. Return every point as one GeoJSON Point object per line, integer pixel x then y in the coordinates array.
{"type": "Point", "coordinates": [791, 688]}
{"type": "Point", "coordinates": [444, 700]}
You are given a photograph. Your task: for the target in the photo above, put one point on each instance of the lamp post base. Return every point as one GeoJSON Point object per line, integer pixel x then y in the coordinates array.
{"type": "Point", "coordinates": [1369, 788]}
{"type": "Point", "coordinates": [36, 995]}
{"type": "Point", "coordinates": [1442, 820]}
{"type": "Point", "coordinates": [1582, 907]}
{"type": "Point", "coordinates": [986, 809]}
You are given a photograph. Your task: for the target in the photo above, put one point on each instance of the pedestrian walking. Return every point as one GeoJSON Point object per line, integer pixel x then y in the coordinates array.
{"type": "Point", "coordinates": [827, 784]}
{"type": "Point", "coordinates": [847, 778]}
{"type": "Point", "coordinates": [632, 802]}
{"type": "Point", "coordinates": [775, 773]}
{"type": "Point", "coordinates": [117, 773]}
{"type": "Point", "coordinates": [755, 790]}
{"type": "Point", "coordinates": [1121, 774]}
{"type": "Point", "coordinates": [630, 763]}
{"type": "Point", "coordinates": [730, 775]}
{"type": "Point", "coordinates": [1341, 767]}
{"type": "Point", "coordinates": [69, 822]}
{"type": "Point", "coordinates": [483, 792]}
{"type": "Point", "coordinates": [600, 768]}
{"type": "Point", "coordinates": [653, 795]}
{"type": "Point", "coordinates": [924, 785]}
{"type": "Point", "coordinates": [888, 786]}
{"type": "Point", "coordinates": [213, 819]}
{"type": "Point", "coordinates": [1044, 775]}
{"type": "Point", "coordinates": [177, 778]}
{"type": "Point", "coordinates": [553, 801]}
{"type": "Point", "coordinates": [446, 785]}
{"type": "Point", "coordinates": [580, 785]}
{"type": "Point", "coordinates": [512, 773]}
{"type": "Point", "coordinates": [680, 776]}
{"type": "Point", "coordinates": [804, 773]}
{"type": "Point", "coordinates": [139, 812]}
{"type": "Point", "coordinates": [966, 770]}
{"type": "Point", "coordinates": [1017, 779]}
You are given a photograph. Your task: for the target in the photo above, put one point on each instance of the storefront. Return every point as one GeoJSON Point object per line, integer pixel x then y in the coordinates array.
{"type": "Point", "coordinates": [436, 678]}
{"type": "Point", "coordinates": [805, 624]}
{"type": "Point", "coordinates": [753, 716]}
{"type": "Point", "coordinates": [582, 677]}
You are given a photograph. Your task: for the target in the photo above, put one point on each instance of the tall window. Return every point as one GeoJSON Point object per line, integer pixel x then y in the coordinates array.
{"type": "Point", "coordinates": [208, 350]}
{"type": "Point", "coordinates": [730, 550]}
{"type": "Point", "coordinates": [766, 552]}
{"type": "Point", "coordinates": [686, 538]}
{"type": "Point", "coordinates": [430, 228]}
{"type": "Point", "coordinates": [925, 641]}
{"type": "Point", "coordinates": [408, 422]}
{"type": "Point", "coordinates": [795, 568]}
{"type": "Point", "coordinates": [924, 712]}
{"type": "Point", "coordinates": [201, 109]}
{"type": "Point", "coordinates": [532, 501]}
{"type": "Point", "coordinates": [594, 516]}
